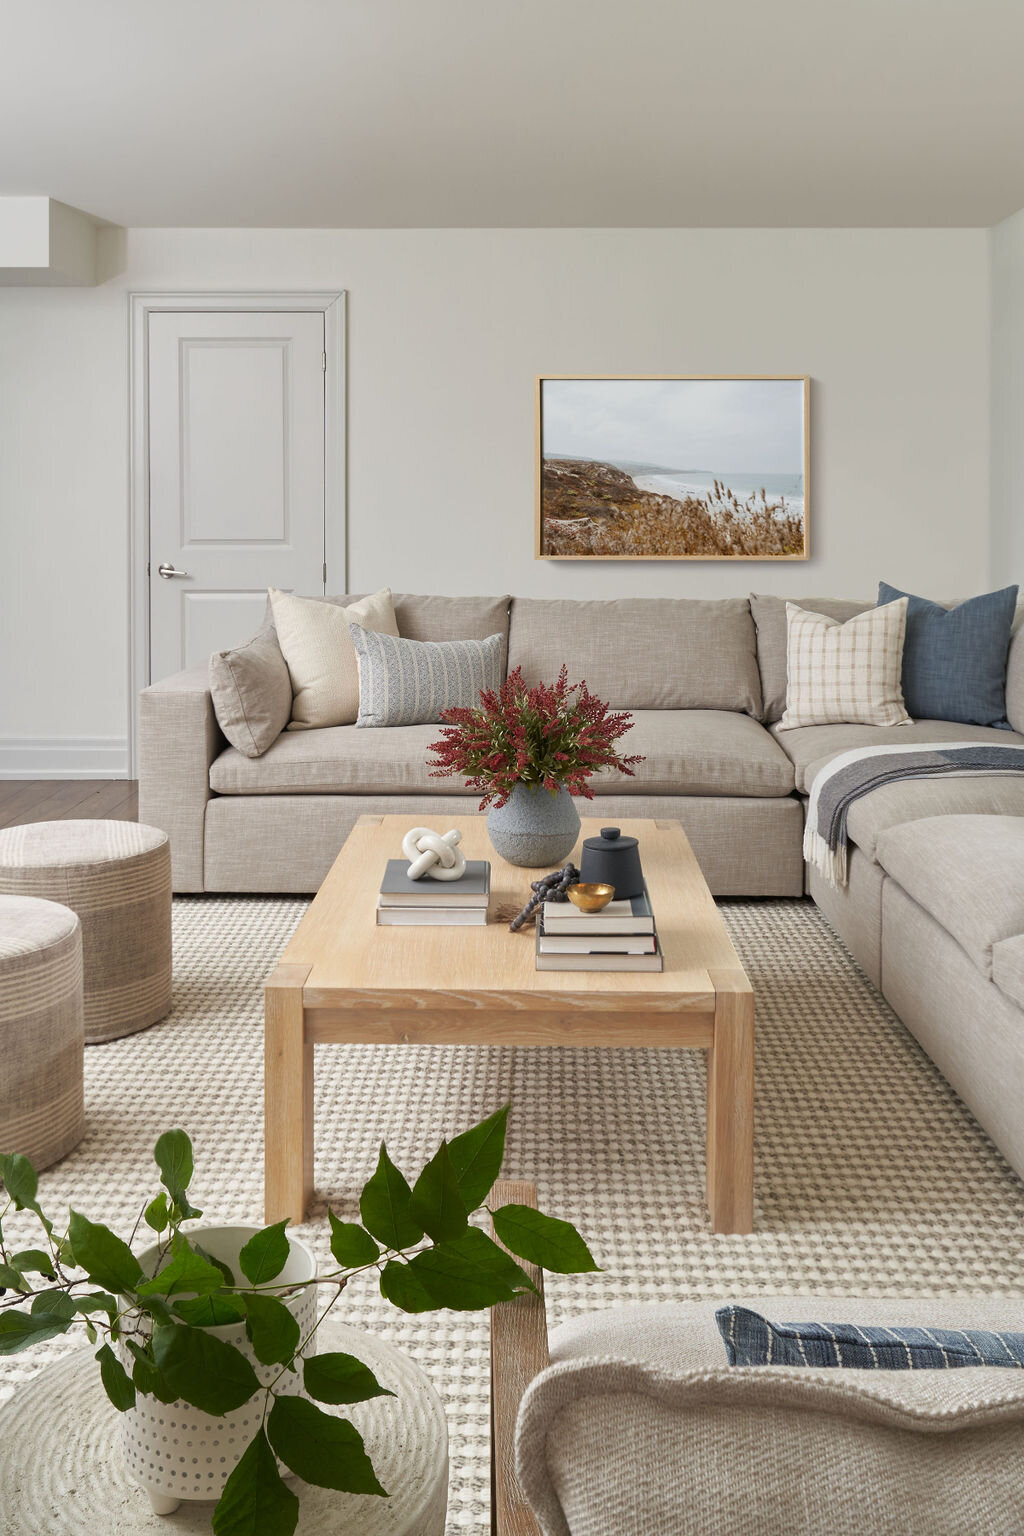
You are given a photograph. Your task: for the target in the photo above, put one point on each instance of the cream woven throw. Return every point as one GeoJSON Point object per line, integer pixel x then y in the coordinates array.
{"type": "Point", "coordinates": [852, 774]}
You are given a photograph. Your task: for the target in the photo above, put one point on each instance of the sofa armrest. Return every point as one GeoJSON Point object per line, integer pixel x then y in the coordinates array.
{"type": "Point", "coordinates": [178, 740]}
{"type": "Point", "coordinates": [519, 1352]}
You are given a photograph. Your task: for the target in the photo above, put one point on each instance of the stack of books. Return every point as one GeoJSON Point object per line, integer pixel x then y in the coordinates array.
{"type": "Point", "coordinates": [430, 903]}
{"type": "Point", "coordinates": [621, 937]}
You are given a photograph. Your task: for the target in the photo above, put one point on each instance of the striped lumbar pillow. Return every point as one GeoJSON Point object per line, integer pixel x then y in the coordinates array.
{"type": "Point", "coordinates": [845, 673]}
{"type": "Point", "coordinates": [409, 682]}
{"type": "Point", "coordinates": [751, 1339]}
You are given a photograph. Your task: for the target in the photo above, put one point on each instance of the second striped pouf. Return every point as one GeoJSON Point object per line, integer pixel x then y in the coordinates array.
{"type": "Point", "coordinates": [40, 1029]}
{"type": "Point", "coordinates": [117, 876]}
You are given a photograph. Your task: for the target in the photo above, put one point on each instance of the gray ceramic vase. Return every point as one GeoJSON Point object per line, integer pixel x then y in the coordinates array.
{"type": "Point", "coordinates": [536, 829]}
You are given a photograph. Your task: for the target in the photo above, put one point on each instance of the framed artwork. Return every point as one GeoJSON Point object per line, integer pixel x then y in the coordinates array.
{"type": "Point", "coordinates": [672, 467]}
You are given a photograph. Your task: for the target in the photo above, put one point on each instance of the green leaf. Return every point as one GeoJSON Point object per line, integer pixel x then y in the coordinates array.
{"type": "Point", "coordinates": [115, 1379]}
{"type": "Point", "coordinates": [256, 1501]}
{"type": "Point", "coordinates": [22, 1184]}
{"type": "Point", "coordinates": [470, 1272]}
{"type": "Point", "coordinates": [186, 1272]}
{"type": "Point", "coordinates": [18, 1330]}
{"type": "Point", "coordinates": [106, 1259]}
{"type": "Point", "coordinates": [20, 1179]}
{"type": "Point", "coordinates": [400, 1284]}
{"type": "Point", "coordinates": [544, 1240]}
{"type": "Point", "coordinates": [273, 1331]}
{"type": "Point", "coordinates": [96, 1301]}
{"type": "Point", "coordinates": [209, 1311]}
{"type": "Point", "coordinates": [10, 1278]}
{"type": "Point", "coordinates": [225, 1269]}
{"type": "Point", "coordinates": [202, 1369]}
{"type": "Point", "coordinates": [351, 1244]}
{"type": "Point", "coordinates": [436, 1198]}
{"type": "Point", "coordinates": [34, 1261]}
{"type": "Point", "coordinates": [265, 1255]}
{"type": "Point", "coordinates": [338, 1378]}
{"type": "Point", "coordinates": [477, 1157]}
{"type": "Point", "coordinates": [173, 1153]}
{"type": "Point", "coordinates": [54, 1304]}
{"type": "Point", "coordinates": [147, 1378]}
{"type": "Point", "coordinates": [157, 1213]}
{"type": "Point", "coordinates": [320, 1448]}
{"type": "Point", "coordinates": [384, 1206]}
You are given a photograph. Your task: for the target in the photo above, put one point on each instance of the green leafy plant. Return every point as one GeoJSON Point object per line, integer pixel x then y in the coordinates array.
{"type": "Point", "coordinates": [418, 1239]}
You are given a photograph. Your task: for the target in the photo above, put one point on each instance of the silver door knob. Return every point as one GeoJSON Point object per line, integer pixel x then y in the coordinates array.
{"type": "Point", "coordinates": [167, 571]}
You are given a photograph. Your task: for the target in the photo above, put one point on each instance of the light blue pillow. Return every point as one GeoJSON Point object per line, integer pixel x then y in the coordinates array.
{"type": "Point", "coordinates": [954, 659]}
{"type": "Point", "coordinates": [751, 1339]}
{"type": "Point", "coordinates": [409, 682]}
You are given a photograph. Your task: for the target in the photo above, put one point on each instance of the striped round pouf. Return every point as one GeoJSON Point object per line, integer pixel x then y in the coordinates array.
{"type": "Point", "coordinates": [117, 876]}
{"type": "Point", "coordinates": [41, 1029]}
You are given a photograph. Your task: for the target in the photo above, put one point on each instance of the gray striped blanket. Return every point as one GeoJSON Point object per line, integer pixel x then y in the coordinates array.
{"type": "Point", "coordinates": [852, 774]}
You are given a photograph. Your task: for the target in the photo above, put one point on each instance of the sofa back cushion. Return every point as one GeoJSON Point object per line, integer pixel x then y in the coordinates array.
{"type": "Point", "coordinates": [427, 617]}
{"type": "Point", "coordinates": [1015, 672]}
{"type": "Point", "coordinates": [769, 614]}
{"type": "Point", "coordinates": [642, 652]}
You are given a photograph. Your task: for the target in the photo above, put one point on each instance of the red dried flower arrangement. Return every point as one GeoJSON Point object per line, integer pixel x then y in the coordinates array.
{"type": "Point", "coordinates": [556, 735]}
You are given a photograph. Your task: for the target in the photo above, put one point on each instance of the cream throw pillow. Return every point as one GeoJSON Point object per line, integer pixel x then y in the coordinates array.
{"type": "Point", "coordinates": [316, 643]}
{"type": "Point", "coordinates": [845, 673]}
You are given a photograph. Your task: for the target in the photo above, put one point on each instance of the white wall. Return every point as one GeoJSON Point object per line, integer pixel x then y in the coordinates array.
{"type": "Point", "coordinates": [1008, 400]}
{"type": "Point", "coordinates": [447, 329]}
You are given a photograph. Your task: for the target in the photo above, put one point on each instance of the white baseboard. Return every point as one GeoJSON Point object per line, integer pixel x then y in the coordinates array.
{"type": "Point", "coordinates": [63, 757]}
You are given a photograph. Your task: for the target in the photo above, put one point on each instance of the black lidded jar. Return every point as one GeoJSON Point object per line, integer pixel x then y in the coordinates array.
{"type": "Point", "coordinates": [612, 859]}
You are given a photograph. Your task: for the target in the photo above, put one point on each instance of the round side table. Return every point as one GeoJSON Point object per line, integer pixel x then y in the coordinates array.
{"type": "Point", "coordinates": [62, 1472]}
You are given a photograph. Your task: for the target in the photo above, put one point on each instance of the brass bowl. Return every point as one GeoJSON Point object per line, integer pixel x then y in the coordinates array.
{"type": "Point", "coordinates": [590, 898]}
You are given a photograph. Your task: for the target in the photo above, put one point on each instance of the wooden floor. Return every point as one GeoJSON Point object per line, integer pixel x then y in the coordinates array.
{"type": "Point", "coordinates": [24, 800]}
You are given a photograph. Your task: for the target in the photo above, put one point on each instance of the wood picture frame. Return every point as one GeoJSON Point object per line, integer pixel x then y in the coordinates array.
{"type": "Point", "coordinates": [588, 506]}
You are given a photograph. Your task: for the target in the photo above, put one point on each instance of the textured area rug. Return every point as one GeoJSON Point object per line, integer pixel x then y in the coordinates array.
{"type": "Point", "coordinates": [871, 1176]}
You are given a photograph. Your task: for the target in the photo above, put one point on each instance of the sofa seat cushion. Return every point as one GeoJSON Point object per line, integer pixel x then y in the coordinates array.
{"type": "Point", "coordinates": [686, 752]}
{"type": "Point", "coordinates": [967, 872]}
{"type": "Point", "coordinates": [914, 799]}
{"type": "Point", "coordinates": [339, 760]}
{"type": "Point", "coordinates": [1008, 968]}
{"type": "Point", "coordinates": [699, 752]}
{"type": "Point", "coordinates": [810, 746]}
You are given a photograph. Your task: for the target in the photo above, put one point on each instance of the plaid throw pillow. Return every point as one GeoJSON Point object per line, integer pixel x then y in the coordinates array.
{"type": "Point", "coordinates": [845, 673]}
{"type": "Point", "coordinates": [751, 1339]}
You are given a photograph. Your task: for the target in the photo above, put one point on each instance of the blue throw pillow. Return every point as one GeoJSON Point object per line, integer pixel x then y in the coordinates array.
{"type": "Point", "coordinates": [954, 659]}
{"type": "Point", "coordinates": [751, 1339]}
{"type": "Point", "coordinates": [409, 682]}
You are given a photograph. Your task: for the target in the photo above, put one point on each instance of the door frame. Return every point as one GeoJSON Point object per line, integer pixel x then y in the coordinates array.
{"type": "Point", "coordinates": [140, 306]}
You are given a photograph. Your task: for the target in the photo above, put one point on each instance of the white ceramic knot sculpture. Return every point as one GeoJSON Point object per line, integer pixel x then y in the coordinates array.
{"type": "Point", "coordinates": [434, 854]}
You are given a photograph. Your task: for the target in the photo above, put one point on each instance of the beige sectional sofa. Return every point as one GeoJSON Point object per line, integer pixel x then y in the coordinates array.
{"type": "Point", "coordinates": [934, 907]}
{"type": "Point", "coordinates": [687, 670]}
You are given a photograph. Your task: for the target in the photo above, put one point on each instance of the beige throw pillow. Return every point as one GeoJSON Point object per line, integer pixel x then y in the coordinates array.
{"type": "Point", "coordinates": [845, 673]}
{"type": "Point", "coordinates": [252, 693]}
{"type": "Point", "coordinates": [316, 643]}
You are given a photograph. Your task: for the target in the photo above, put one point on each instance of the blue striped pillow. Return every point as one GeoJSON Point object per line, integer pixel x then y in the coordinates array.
{"type": "Point", "coordinates": [751, 1339]}
{"type": "Point", "coordinates": [409, 682]}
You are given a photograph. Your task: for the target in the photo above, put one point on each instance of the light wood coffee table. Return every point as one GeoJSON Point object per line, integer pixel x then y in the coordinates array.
{"type": "Point", "coordinates": [343, 980]}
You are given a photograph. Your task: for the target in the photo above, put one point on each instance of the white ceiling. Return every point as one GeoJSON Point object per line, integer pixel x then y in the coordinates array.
{"type": "Point", "coordinates": [376, 113]}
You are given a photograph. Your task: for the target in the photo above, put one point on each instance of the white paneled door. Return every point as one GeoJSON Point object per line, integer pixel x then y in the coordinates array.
{"type": "Point", "coordinates": [236, 450]}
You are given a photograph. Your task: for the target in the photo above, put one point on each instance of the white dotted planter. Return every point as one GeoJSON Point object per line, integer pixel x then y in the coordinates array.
{"type": "Point", "coordinates": [175, 1451]}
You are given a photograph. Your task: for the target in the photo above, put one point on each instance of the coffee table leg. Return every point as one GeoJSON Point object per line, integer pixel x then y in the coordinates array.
{"type": "Point", "coordinates": [288, 1097]}
{"type": "Point", "coordinates": [730, 1128]}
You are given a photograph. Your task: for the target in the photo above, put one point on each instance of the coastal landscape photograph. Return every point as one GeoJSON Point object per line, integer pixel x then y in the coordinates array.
{"type": "Point", "coordinates": [672, 468]}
